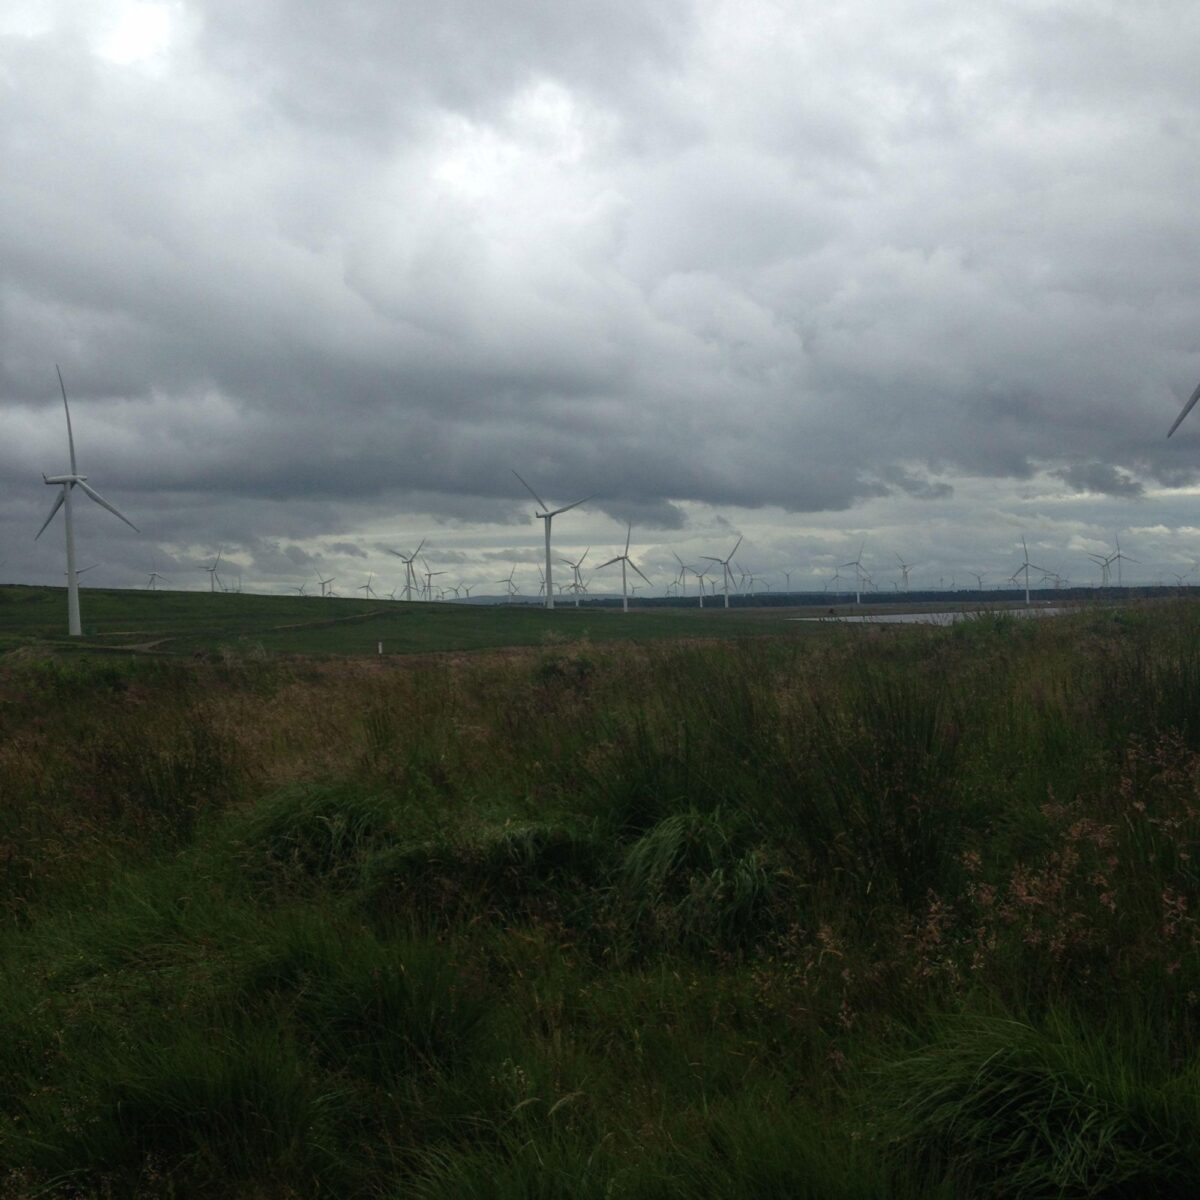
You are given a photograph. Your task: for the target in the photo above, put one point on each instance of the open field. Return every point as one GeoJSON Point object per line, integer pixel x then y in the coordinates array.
{"type": "Point", "coordinates": [860, 913]}
{"type": "Point", "coordinates": [166, 622]}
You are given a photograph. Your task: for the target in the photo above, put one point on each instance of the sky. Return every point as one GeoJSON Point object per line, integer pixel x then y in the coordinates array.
{"type": "Point", "coordinates": [319, 278]}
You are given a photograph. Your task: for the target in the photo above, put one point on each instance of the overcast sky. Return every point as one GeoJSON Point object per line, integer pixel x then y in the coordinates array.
{"type": "Point", "coordinates": [319, 276]}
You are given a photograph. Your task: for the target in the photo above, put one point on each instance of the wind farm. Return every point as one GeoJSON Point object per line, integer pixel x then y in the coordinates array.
{"type": "Point", "coordinates": [619, 617]}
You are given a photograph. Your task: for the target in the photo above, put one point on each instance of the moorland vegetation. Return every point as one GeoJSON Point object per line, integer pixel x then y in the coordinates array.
{"type": "Point", "coordinates": [880, 913]}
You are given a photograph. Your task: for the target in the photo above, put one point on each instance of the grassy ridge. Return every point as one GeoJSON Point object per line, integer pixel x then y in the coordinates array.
{"type": "Point", "coordinates": [897, 913]}
{"type": "Point", "coordinates": [168, 622]}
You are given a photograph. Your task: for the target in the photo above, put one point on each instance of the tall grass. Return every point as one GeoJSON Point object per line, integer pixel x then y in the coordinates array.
{"type": "Point", "coordinates": [899, 912]}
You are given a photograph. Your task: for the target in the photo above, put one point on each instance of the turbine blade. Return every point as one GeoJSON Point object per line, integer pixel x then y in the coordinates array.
{"type": "Point", "coordinates": [67, 407]}
{"type": "Point", "coordinates": [1187, 408]}
{"type": "Point", "coordinates": [568, 507]}
{"type": "Point", "coordinates": [640, 572]}
{"type": "Point", "coordinates": [545, 506]}
{"type": "Point", "coordinates": [628, 535]}
{"type": "Point", "coordinates": [58, 503]}
{"type": "Point", "coordinates": [735, 548]}
{"type": "Point", "coordinates": [100, 500]}
{"type": "Point", "coordinates": [710, 558]}
{"type": "Point", "coordinates": [607, 564]}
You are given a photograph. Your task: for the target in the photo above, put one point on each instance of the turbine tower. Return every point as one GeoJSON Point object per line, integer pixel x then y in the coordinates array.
{"type": "Point", "coordinates": [548, 515]}
{"type": "Point", "coordinates": [726, 573]}
{"type": "Point", "coordinates": [63, 501]}
{"type": "Point", "coordinates": [624, 560]}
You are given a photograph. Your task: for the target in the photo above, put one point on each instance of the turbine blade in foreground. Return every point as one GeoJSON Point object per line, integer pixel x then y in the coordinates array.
{"type": "Point", "coordinates": [545, 506]}
{"type": "Point", "coordinates": [67, 407]}
{"type": "Point", "coordinates": [58, 503]}
{"type": "Point", "coordinates": [1187, 408]}
{"type": "Point", "coordinates": [607, 564]}
{"type": "Point", "coordinates": [100, 500]}
{"type": "Point", "coordinates": [640, 572]}
{"type": "Point", "coordinates": [568, 507]}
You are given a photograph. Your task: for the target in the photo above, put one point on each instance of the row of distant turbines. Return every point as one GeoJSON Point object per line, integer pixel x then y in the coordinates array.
{"type": "Point", "coordinates": [413, 585]}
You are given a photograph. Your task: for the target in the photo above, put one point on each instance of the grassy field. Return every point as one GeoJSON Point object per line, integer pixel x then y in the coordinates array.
{"type": "Point", "coordinates": [896, 913]}
{"type": "Point", "coordinates": [186, 622]}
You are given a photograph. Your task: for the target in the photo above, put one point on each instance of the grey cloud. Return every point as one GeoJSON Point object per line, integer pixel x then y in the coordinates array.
{"type": "Point", "coordinates": [1102, 478]}
{"type": "Point", "coordinates": [328, 275]}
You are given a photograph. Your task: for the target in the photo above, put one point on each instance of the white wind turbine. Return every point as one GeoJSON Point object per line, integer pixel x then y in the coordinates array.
{"type": "Point", "coordinates": [1025, 567]}
{"type": "Point", "coordinates": [367, 590]}
{"type": "Point", "coordinates": [1119, 558]}
{"type": "Point", "coordinates": [547, 515]}
{"type": "Point", "coordinates": [577, 585]}
{"type": "Point", "coordinates": [976, 575]}
{"type": "Point", "coordinates": [410, 572]}
{"type": "Point", "coordinates": [510, 588]}
{"type": "Point", "coordinates": [624, 560]}
{"type": "Point", "coordinates": [152, 582]}
{"type": "Point", "coordinates": [904, 570]}
{"type": "Point", "coordinates": [323, 582]}
{"type": "Point", "coordinates": [859, 573]}
{"type": "Point", "coordinates": [213, 577]}
{"type": "Point", "coordinates": [63, 501]}
{"type": "Point", "coordinates": [726, 573]}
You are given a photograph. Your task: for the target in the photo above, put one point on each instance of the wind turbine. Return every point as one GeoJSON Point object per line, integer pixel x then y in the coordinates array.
{"type": "Point", "coordinates": [1104, 563]}
{"type": "Point", "coordinates": [976, 575]}
{"type": "Point", "coordinates": [323, 582]}
{"type": "Point", "coordinates": [726, 573]}
{"type": "Point", "coordinates": [509, 586]}
{"type": "Point", "coordinates": [410, 572]}
{"type": "Point", "coordinates": [904, 570]}
{"type": "Point", "coordinates": [298, 589]}
{"type": "Point", "coordinates": [367, 590]}
{"type": "Point", "coordinates": [1025, 567]}
{"type": "Point", "coordinates": [213, 577]}
{"type": "Point", "coordinates": [547, 515]}
{"type": "Point", "coordinates": [63, 501]}
{"type": "Point", "coordinates": [1119, 558]}
{"type": "Point", "coordinates": [151, 583]}
{"type": "Point", "coordinates": [859, 573]}
{"type": "Point", "coordinates": [577, 585]}
{"type": "Point", "coordinates": [624, 559]}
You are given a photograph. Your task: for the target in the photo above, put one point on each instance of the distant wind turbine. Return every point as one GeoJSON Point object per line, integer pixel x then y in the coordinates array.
{"type": "Point", "coordinates": [576, 565]}
{"type": "Point", "coordinates": [548, 516]}
{"type": "Point", "coordinates": [859, 573]}
{"type": "Point", "coordinates": [624, 560]}
{"type": "Point", "coordinates": [213, 577]}
{"type": "Point", "coordinates": [1025, 566]}
{"type": "Point", "coordinates": [63, 501]}
{"type": "Point", "coordinates": [726, 573]}
{"type": "Point", "coordinates": [410, 572]}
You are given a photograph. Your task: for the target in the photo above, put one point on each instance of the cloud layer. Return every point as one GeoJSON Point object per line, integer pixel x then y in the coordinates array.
{"type": "Point", "coordinates": [319, 278]}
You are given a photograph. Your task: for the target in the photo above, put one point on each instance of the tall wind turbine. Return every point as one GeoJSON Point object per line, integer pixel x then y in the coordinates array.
{"type": "Point", "coordinates": [410, 572]}
{"type": "Point", "coordinates": [577, 584]}
{"type": "Point", "coordinates": [213, 577]}
{"type": "Point", "coordinates": [1025, 567]}
{"type": "Point", "coordinates": [859, 573]}
{"type": "Point", "coordinates": [726, 573]}
{"type": "Point", "coordinates": [904, 570]}
{"type": "Point", "coordinates": [63, 501]}
{"type": "Point", "coordinates": [547, 515]}
{"type": "Point", "coordinates": [1119, 558]}
{"type": "Point", "coordinates": [624, 560]}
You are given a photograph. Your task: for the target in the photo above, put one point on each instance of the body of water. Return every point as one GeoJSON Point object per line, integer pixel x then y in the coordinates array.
{"type": "Point", "coordinates": [931, 618]}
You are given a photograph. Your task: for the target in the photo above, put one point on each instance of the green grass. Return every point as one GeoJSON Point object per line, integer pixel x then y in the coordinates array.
{"type": "Point", "coordinates": [187, 623]}
{"type": "Point", "coordinates": [905, 913]}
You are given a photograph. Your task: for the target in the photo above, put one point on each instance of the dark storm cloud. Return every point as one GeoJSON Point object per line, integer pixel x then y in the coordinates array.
{"type": "Point", "coordinates": [313, 271]}
{"type": "Point", "coordinates": [1102, 478]}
